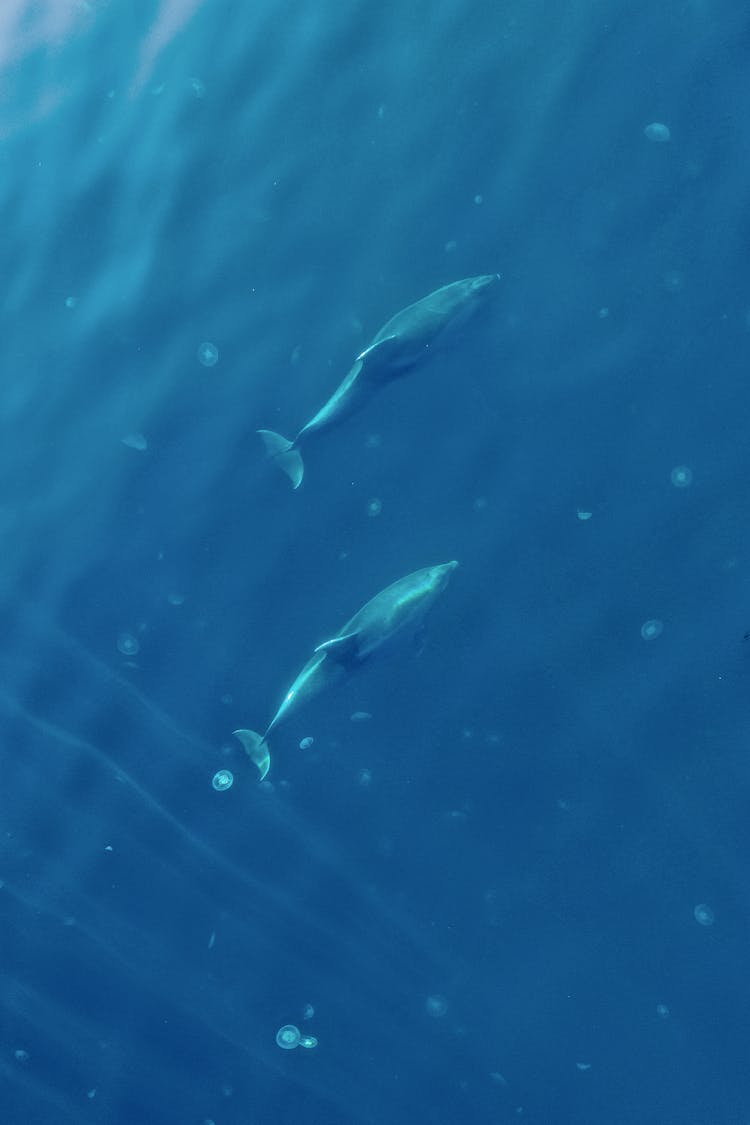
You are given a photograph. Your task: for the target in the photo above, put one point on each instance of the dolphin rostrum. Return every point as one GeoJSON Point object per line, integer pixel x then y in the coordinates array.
{"type": "Point", "coordinates": [401, 604]}
{"type": "Point", "coordinates": [405, 342]}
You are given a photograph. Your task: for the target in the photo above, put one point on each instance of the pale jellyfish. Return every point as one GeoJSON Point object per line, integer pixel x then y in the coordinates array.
{"type": "Point", "coordinates": [222, 779]}
{"type": "Point", "coordinates": [652, 629]}
{"type": "Point", "coordinates": [208, 354]}
{"type": "Point", "coordinates": [657, 132]}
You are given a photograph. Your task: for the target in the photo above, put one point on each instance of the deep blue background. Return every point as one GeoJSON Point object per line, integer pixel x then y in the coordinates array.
{"type": "Point", "coordinates": [550, 794]}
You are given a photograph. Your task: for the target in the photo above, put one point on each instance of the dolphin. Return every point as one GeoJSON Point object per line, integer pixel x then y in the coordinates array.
{"type": "Point", "coordinates": [401, 604]}
{"type": "Point", "coordinates": [404, 343]}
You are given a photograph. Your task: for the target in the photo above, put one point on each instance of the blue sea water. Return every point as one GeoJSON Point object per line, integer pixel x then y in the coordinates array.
{"type": "Point", "coordinates": [486, 892]}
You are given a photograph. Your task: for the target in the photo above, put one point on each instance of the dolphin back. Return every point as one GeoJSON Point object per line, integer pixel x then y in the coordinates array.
{"type": "Point", "coordinates": [399, 606]}
{"type": "Point", "coordinates": [403, 343]}
{"type": "Point", "coordinates": [421, 324]}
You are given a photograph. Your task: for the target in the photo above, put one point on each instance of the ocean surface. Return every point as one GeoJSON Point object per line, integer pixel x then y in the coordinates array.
{"type": "Point", "coordinates": [507, 881]}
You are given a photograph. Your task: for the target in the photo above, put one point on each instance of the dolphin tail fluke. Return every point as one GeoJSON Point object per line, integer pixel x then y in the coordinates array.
{"type": "Point", "coordinates": [284, 454]}
{"type": "Point", "coordinates": [256, 748]}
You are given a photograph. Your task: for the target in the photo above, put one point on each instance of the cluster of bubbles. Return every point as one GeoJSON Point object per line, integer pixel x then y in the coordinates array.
{"type": "Point", "coordinates": [288, 1037]}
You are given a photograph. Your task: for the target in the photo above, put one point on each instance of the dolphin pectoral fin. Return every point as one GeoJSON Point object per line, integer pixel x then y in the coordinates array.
{"type": "Point", "coordinates": [383, 349]}
{"type": "Point", "coordinates": [341, 649]}
{"type": "Point", "coordinates": [256, 748]}
{"type": "Point", "coordinates": [284, 453]}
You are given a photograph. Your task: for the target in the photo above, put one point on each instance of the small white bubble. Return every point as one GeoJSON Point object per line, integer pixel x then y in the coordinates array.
{"type": "Point", "coordinates": [135, 441]}
{"type": "Point", "coordinates": [603, 313]}
{"type": "Point", "coordinates": [71, 302]}
{"type": "Point", "coordinates": [662, 1011]}
{"type": "Point", "coordinates": [652, 629]}
{"type": "Point", "coordinates": [703, 914]}
{"type": "Point", "coordinates": [674, 281]}
{"type": "Point", "coordinates": [374, 507]}
{"type": "Point", "coordinates": [681, 476]}
{"type": "Point", "coordinates": [478, 199]}
{"type": "Point", "coordinates": [306, 743]}
{"type": "Point", "coordinates": [208, 354]}
{"type": "Point", "coordinates": [91, 1094]}
{"type": "Point", "coordinates": [583, 515]}
{"type": "Point", "coordinates": [199, 90]}
{"type": "Point", "coordinates": [658, 132]}
{"type": "Point", "coordinates": [583, 1065]}
{"type": "Point", "coordinates": [360, 717]}
{"type": "Point", "coordinates": [381, 112]}
{"type": "Point", "coordinates": [127, 644]}
{"type": "Point", "coordinates": [364, 777]}
{"type": "Point", "coordinates": [308, 1012]}
{"type": "Point", "coordinates": [175, 598]}
{"type": "Point", "coordinates": [20, 1055]}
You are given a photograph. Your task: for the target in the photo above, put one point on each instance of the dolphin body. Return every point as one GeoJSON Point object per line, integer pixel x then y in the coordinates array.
{"type": "Point", "coordinates": [404, 343]}
{"type": "Point", "coordinates": [401, 604]}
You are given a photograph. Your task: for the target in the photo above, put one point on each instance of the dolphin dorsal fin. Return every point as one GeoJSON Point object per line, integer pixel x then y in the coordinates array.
{"type": "Point", "coordinates": [383, 349]}
{"type": "Point", "coordinates": [341, 649]}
